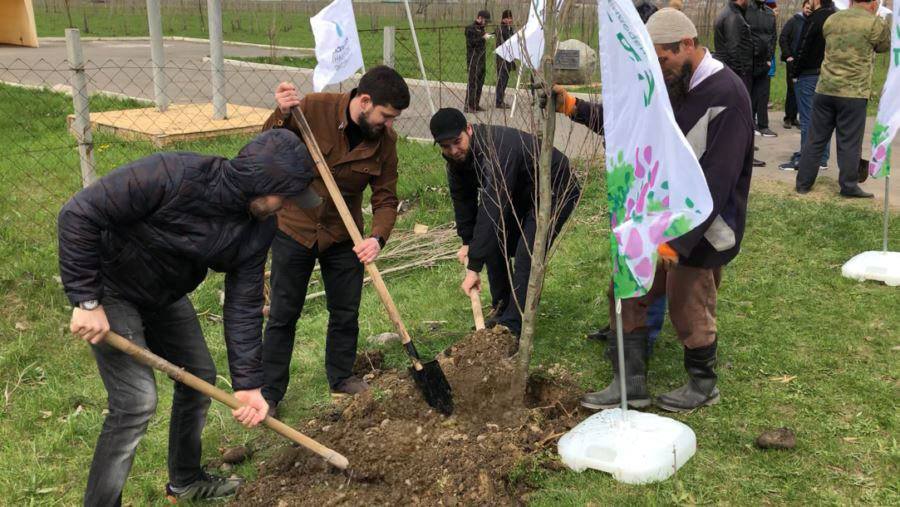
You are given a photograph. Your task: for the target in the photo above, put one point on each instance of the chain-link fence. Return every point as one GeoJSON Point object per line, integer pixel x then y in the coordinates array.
{"type": "Point", "coordinates": [40, 165]}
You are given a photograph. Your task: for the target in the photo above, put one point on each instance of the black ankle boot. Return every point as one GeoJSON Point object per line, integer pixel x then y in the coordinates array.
{"type": "Point", "coordinates": [700, 389]}
{"type": "Point", "coordinates": [635, 374]}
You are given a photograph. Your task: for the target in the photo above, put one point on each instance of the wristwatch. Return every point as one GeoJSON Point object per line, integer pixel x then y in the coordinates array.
{"type": "Point", "coordinates": [379, 239]}
{"type": "Point", "coordinates": [89, 305]}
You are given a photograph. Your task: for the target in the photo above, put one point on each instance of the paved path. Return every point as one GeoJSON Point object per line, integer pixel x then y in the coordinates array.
{"type": "Point", "coordinates": [124, 67]}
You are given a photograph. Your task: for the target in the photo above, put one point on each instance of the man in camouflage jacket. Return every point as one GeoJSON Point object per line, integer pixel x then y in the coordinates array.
{"type": "Point", "coordinates": [845, 83]}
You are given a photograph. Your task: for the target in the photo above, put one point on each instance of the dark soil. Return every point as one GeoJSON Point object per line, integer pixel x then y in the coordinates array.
{"type": "Point", "coordinates": [402, 452]}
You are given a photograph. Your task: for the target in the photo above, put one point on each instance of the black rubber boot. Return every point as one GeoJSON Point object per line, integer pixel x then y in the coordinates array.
{"type": "Point", "coordinates": [635, 374]}
{"type": "Point", "coordinates": [700, 389]}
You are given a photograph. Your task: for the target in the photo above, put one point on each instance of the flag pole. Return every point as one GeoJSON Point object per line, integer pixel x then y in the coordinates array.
{"type": "Point", "coordinates": [412, 28]}
{"type": "Point", "coordinates": [887, 214]}
{"type": "Point", "coordinates": [620, 342]}
{"type": "Point", "coordinates": [512, 110]}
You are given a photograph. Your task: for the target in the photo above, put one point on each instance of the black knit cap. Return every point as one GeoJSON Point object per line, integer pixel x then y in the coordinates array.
{"type": "Point", "coordinates": [447, 123]}
{"type": "Point", "coordinates": [484, 14]}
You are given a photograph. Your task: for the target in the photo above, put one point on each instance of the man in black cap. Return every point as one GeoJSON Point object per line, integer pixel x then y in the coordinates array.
{"type": "Point", "coordinates": [475, 60]}
{"type": "Point", "coordinates": [132, 246]}
{"type": "Point", "coordinates": [492, 173]}
{"type": "Point", "coordinates": [504, 31]}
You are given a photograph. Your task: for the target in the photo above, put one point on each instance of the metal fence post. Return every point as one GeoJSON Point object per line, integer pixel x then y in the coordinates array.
{"type": "Point", "coordinates": [388, 46]}
{"type": "Point", "coordinates": [81, 126]}
{"type": "Point", "coordinates": [216, 59]}
{"type": "Point", "coordinates": [158, 55]}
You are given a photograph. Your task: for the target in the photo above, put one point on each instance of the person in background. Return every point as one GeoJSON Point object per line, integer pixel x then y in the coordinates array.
{"type": "Point", "coordinates": [734, 45]}
{"type": "Point", "coordinates": [842, 94]}
{"type": "Point", "coordinates": [504, 31]}
{"type": "Point", "coordinates": [476, 36]}
{"type": "Point", "coordinates": [678, 5]}
{"type": "Point", "coordinates": [761, 19]}
{"type": "Point", "coordinates": [807, 65]}
{"type": "Point", "coordinates": [789, 42]}
{"type": "Point", "coordinates": [645, 9]}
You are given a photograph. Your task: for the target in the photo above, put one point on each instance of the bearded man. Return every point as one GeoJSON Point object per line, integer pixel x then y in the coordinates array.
{"type": "Point", "coordinates": [712, 108]}
{"type": "Point", "coordinates": [354, 131]}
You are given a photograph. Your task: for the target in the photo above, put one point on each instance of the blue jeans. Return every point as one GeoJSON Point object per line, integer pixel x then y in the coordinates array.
{"type": "Point", "coordinates": [173, 333]}
{"type": "Point", "coordinates": [805, 89]}
{"type": "Point", "coordinates": [656, 315]}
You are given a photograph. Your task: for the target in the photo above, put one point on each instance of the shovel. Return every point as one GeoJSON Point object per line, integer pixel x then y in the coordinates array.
{"type": "Point", "coordinates": [177, 374]}
{"type": "Point", "coordinates": [429, 376]}
{"type": "Point", "coordinates": [477, 313]}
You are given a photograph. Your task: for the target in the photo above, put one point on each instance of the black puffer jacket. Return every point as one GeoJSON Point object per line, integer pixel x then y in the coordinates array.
{"type": "Point", "coordinates": [734, 44]}
{"type": "Point", "coordinates": [150, 230]}
{"type": "Point", "coordinates": [762, 26]}
{"type": "Point", "coordinates": [812, 41]}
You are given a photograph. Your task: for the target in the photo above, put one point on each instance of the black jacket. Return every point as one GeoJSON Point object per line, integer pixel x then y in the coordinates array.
{"type": "Point", "coordinates": [475, 44]}
{"type": "Point", "coordinates": [762, 26]}
{"type": "Point", "coordinates": [495, 187]}
{"type": "Point", "coordinates": [812, 46]}
{"type": "Point", "coordinates": [645, 10]}
{"type": "Point", "coordinates": [734, 44]}
{"type": "Point", "coordinates": [789, 40]}
{"type": "Point", "coordinates": [502, 34]}
{"type": "Point", "coordinates": [150, 230]}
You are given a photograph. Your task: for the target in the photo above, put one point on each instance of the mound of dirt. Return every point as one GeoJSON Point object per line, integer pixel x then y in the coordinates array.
{"type": "Point", "coordinates": [403, 452]}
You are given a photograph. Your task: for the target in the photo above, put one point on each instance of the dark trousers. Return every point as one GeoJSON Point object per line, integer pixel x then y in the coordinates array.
{"type": "Point", "coordinates": [759, 98]}
{"type": "Point", "coordinates": [342, 275]}
{"type": "Point", "coordinates": [511, 316]}
{"type": "Point", "coordinates": [499, 271]}
{"type": "Point", "coordinates": [174, 334]}
{"type": "Point", "coordinates": [503, 69]}
{"type": "Point", "coordinates": [790, 99]}
{"type": "Point", "coordinates": [805, 90]}
{"type": "Point", "coordinates": [476, 81]}
{"type": "Point", "coordinates": [846, 118]}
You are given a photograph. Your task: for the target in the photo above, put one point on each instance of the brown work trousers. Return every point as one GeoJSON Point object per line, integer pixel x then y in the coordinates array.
{"type": "Point", "coordinates": [691, 294]}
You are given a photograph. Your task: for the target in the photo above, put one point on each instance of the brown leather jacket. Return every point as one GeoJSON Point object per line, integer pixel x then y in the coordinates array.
{"type": "Point", "coordinates": [372, 163]}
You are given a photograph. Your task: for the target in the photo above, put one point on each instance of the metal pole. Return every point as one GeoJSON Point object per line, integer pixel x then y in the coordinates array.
{"type": "Point", "coordinates": [620, 342]}
{"type": "Point", "coordinates": [216, 60]}
{"type": "Point", "coordinates": [887, 214]}
{"type": "Point", "coordinates": [512, 110]}
{"type": "Point", "coordinates": [81, 126]}
{"type": "Point", "coordinates": [412, 28]}
{"type": "Point", "coordinates": [158, 55]}
{"type": "Point", "coordinates": [388, 45]}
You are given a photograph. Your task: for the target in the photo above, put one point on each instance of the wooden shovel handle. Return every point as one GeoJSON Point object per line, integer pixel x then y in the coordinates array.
{"type": "Point", "coordinates": [150, 359]}
{"type": "Point", "coordinates": [339, 203]}
{"type": "Point", "coordinates": [477, 313]}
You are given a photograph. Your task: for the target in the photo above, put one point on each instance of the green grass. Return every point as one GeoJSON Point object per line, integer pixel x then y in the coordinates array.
{"type": "Point", "coordinates": [784, 309]}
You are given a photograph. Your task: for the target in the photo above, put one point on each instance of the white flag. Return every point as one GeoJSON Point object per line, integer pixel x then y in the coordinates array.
{"type": "Point", "coordinates": [527, 45]}
{"type": "Point", "coordinates": [888, 120]}
{"type": "Point", "coordinates": [656, 187]}
{"type": "Point", "coordinates": [338, 53]}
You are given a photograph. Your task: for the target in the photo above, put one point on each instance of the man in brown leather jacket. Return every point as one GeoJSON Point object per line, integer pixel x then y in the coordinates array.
{"type": "Point", "coordinates": [354, 131]}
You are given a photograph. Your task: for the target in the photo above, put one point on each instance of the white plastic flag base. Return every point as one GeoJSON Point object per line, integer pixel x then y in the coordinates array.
{"type": "Point", "coordinates": [879, 266]}
{"type": "Point", "coordinates": [644, 448]}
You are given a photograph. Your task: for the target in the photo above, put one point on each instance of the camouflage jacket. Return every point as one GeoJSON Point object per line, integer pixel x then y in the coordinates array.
{"type": "Point", "coordinates": [851, 36]}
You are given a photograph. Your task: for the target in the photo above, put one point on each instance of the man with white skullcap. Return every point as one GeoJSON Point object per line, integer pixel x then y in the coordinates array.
{"type": "Point", "coordinates": [712, 108]}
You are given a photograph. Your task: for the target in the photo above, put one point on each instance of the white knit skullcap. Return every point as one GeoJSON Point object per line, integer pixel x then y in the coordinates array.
{"type": "Point", "coordinates": [670, 25]}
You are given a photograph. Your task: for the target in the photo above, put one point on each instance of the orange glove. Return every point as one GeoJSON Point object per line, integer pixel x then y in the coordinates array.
{"type": "Point", "coordinates": [667, 254]}
{"type": "Point", "coordinates": [565, 103]}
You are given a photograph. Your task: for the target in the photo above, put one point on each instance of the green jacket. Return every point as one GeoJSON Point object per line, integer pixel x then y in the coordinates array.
{"type": "Point", "coordinates": [850, 37]}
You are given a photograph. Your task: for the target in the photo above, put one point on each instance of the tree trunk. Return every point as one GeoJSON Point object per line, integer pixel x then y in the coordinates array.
{"type": "Point", "coordinates": [542, 226]}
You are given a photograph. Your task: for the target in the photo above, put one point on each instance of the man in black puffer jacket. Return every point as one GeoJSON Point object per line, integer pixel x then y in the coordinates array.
{"type": "Point", "coordinates": [132, 246]}
{"type": "Point", "coordinates": [762, 28]}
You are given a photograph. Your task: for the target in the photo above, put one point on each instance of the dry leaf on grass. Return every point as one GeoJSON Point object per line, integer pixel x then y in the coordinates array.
{"type": "Point", "coordinates": [784, 379]}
